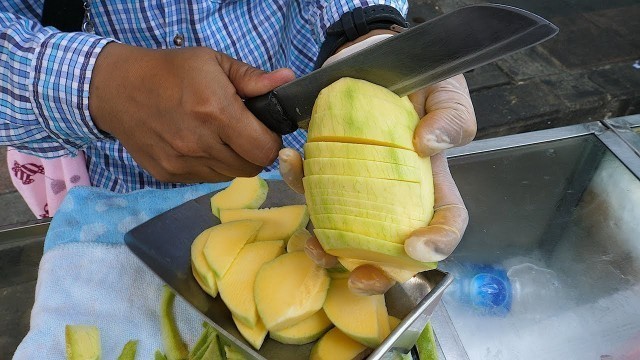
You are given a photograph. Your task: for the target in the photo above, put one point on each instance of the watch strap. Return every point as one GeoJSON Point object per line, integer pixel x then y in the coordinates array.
{"type": "Point", "coordinates": [356, 23]}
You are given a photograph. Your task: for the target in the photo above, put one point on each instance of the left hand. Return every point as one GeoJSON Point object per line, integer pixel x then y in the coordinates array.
{"type": "Point", "coordinates": [447, 120]}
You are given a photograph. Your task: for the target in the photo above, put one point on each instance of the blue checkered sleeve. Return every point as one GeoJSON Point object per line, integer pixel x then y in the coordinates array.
{"type": "Point", "coordinates": [44, 87]}
{"type": "Point", "coordinates": [326, 12]}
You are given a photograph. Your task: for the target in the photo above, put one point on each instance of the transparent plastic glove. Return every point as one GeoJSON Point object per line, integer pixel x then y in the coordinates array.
{"type": "Point", "coordinates": [447, 120]}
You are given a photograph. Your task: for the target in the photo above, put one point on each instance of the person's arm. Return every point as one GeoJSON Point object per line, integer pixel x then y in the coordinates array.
{"type": "Point", "coordinates": [44, 85]}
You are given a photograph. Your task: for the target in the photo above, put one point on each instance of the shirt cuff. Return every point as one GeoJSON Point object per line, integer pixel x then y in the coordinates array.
{"type": "Point", "coordinates": [61, 74]}
{"type": "Point", "coordinates": [330, 11]}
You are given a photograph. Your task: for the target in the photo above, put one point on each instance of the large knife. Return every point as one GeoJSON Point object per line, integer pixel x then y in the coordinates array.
{"type": "Point", "coordinates": [425, 54]}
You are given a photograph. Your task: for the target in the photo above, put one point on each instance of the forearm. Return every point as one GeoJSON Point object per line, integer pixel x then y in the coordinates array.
{"type": "Point", "coordinates": [44, 87]}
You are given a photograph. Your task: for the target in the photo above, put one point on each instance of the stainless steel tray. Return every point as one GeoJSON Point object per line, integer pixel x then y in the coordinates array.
{"type": "Point", "coordinates": [163, 243]}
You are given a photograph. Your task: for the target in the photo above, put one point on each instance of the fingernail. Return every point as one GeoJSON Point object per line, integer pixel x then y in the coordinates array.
{"type": "Point", "coordinates": [418, 248]}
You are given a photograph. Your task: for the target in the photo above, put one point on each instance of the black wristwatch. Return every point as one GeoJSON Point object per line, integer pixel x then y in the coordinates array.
{"type": "Point", "coordinates": [356, 23]}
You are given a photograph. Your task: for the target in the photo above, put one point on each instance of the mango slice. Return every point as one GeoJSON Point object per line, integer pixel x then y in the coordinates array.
{"type": "Point", "coordinates": [357, 316]}
{"type": "Point", "coordinates": [82, 342]}
{"type": "Point", "coordinates": [363, 168]}
{"type": "Point", "coordinates": [344, 104]}
{"type": "Point", "coordinates": [330, 199]}
{"type": "Point", "coordinates": [236, 286]}
{"type": "Point", "coordinates": [336, 345]}
{"type": "Point", "coordinates": [253, 334]}
{"type": "Point", "coordinates": [356, 246]}
{"type": "Point", "coordinates": [199, 266]}
{"type": "Point", "coordinates": [306, 331]}
{"type": "Point", "coordinates": [278, 223]}
{"type": "Point", "coordinates": [393, 322]}
{"type": "Point", "coordinates": [242, 193]}
{"type": "Point", "coordinates": [298, 240]}
{"type": "Point", "coordinates": [289, 289]}
{"type": "Point", "coordinates": [399, 192]}
{"type": "Point", "coordinates": [174, 347]}
{"type": "Point", "coordinates": [387, 217]}
{"type": "Point", "coordinates": [390, 155]}
{"type": "Point", "coordinates": [225, 241]}
{"type": "Point", "coordinates": [398, 274]}
{"type": "Point", "coordinates": [386, 231]}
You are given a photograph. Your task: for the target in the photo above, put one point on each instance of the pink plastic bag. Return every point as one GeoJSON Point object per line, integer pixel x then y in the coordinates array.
{"type": "Point", "coordinates": [43, 183]}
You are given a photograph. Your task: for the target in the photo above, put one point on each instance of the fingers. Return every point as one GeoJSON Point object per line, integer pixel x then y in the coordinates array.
{"type": "Point", "coordinates": [315, 251]}
{"type": "Point", "coordinates": [249, 81]}
{"type": "Point", "coordinates": [437, 240]}
{"type": "Point", "coordinates": [450, 119]}
{"type": "Point", "coordinates": [291, 169]}
{"type": "Point", "coordinates": [369, 280]}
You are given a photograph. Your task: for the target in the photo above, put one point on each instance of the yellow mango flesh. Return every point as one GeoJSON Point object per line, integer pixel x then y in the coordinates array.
{"type": "Point", "coordinates": [289, 289]}
{"type": "Point", "coordinates": [385, 231]}
{"type": "Point", "coordinates": [298, 240]}
{"type": "Point", "coordinates": [393, 322]}
{"type": "Point", "coordinates": [396, 191]}
{"type": "Point", "coordinates": [278, 223]}
{"type": "Point", "coordinates": [242, 193]}
{"type": "Point", "coordinates": [324, 201]}
{"type": "Point", "coordinates": [306, 331]}
{"type": "Point", "coordinates": [199, 266]}
{"type": "Point", "coordinates": [253, 334]}
{"type": "Point", "coordinates": [412, 206]}
{"type": "Point", "coordinates": [345, 103]}
{"type": "Point", "coordinates": [393, 272]}
{"type": "Point", "coordinates": [386, 217]}
{"type": "Point", "coordinates": [236, 286]}
{"type": "Point", "coordinates": [336, 345]}
{"type": "Point", "coordinates": [363, 168]}
{"type": "Point", "coordinates": [356, 246]}
{"type": "Point", "coordinates": [390, 155]}
{"type": "Point", "coordinates": [355, 315]}
{"type": "Point", "coordinates": [225, 241]}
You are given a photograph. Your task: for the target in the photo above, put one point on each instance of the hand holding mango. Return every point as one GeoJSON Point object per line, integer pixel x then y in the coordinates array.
{"type": "Point", "coordinates": [446, 120]}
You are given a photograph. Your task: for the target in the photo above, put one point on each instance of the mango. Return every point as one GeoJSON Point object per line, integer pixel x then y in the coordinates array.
{"type": "Point", "coordinates": [289, 289]}
{"type": "Point", "coordinates": [298, 240]}
{"type": "Point", "coordinates": [225, 241]}
{"type": "Point", "coordinates": [384, 154]}
{"type": "Point", "coordinates": [364, 168]}
{"type": "Point", "coordinates": [362, 318]}
{"type": "Point", "coordinates": [199, 266]}
{"type": "Point", "coordinates": [242, 193]}
{"type": "Point", "coordinates": [253, 334]}
{"type": "Point", "coordinates": [306, 331]}
{"type": "Point", "coordinates": [336, 345]}
{"type": "Point", "coordinates": [236, 286]}
{"type": "Point", "coordinates": [400, 275]}
{"type": "Point", "coordinates": [278, 223]}
{"type": "Point", "coordinates": [82, 342]}
{"type": "Point", "coordinates": [366, 187]}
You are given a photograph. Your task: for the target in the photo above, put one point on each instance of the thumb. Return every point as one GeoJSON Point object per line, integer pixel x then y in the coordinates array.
{"type": "Point", "coordinates": [250, 81]}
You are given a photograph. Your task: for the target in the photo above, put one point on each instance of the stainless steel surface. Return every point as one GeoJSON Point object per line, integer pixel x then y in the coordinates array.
{"type": "Point", "coordinates": [564, 202]}
{"type": "Point", "coordinates": [430, 52]}
{"type": "Point", "coordinates": [163, 244]}
{"type": "Point", "coordinates": [623, 127]}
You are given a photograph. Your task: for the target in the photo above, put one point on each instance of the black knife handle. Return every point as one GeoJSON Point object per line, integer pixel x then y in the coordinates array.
{"type": "Point", "coordinates": [268, 110]}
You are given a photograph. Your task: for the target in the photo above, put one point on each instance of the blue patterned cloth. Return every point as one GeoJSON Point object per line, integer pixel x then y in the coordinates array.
{"type": "Point", "coordinates": [45, 74]}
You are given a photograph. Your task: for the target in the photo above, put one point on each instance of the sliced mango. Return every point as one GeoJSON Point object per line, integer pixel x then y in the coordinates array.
{"type": "Point", "coordinates": [395, 273]}
{"type": "Point", "coordinates": [225, 241]}
{"type": "Point", "coordinates": [399, 192]}
{"type": "Point", "coordinates": [356, 246]}
{"type": "Point", "coordinates": [339, 109]}
{"type": "Point", "coordinates": [330, 199]}
{"type": "Point", "coordinates": [278, 223]}
{"type": "Point", "coordinates": [367, 214]}
{"type": "Point", "coordinates": [242, 193]}
{"type": "Point", "coordinates": [289, 289]}
{"type": "Point", "coordinates": [355, 315]}
{"type": "Point", "coordinates": [236, 286]}
{"type": "Point", "coordinates": [253, 334]}
{"type": "Point", "coordinates": [199, 266]}
{"type": "Point", "coordinates": [393, 322]}
{"type": "Point", "coordinates": [336, 345]}
{"type": "Point", "coordinates": [82, 342]}
{"type": "Point", "coordinates": [367, 227]}
{"type": "Point", "coordinates": [385, 154]}
{"type": "Point", "coordinates": [363, 168]}
{"type": "Point", "coordinates": [298, 240]}
{"type": "Point", "coordinates": [306, 331]}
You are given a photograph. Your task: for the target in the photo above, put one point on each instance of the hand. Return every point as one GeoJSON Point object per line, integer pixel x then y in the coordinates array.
{"type": "Point", "coordinates": [180, 114]}
{"type": "Point", "coordinates": [447, 120]}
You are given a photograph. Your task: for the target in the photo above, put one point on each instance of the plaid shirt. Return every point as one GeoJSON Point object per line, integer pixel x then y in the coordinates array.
{"type": "Point", "coordinates": [45, 74]}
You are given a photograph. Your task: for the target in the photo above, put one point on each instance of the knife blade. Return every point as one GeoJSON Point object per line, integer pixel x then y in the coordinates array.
{"type": "Point", "coordinates": [435, 50]}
